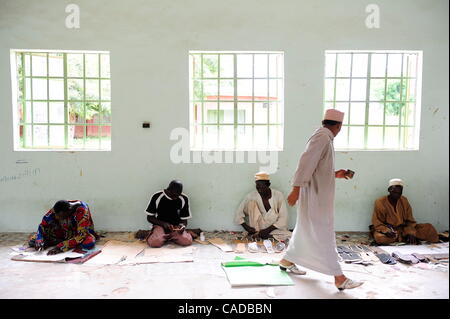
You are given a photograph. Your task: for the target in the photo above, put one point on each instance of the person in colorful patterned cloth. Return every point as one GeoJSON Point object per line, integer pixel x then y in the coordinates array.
{"type": "Point", "coordinates": [67, 225]}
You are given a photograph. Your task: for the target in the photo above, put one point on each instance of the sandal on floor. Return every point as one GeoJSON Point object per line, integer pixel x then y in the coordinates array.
{"type": "Point", "coordinates": [349, 284]}
{"type": "Point", "coordinates": [386, 259]}
{"type": "Point", "coordinates": [405, 258]}
{"type": "Point", "coordinates": [293, 269]}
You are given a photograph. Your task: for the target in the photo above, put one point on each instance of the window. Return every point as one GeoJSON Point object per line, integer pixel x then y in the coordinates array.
{"type": "Point", "coordinates": [379, 91]}
{"type": "Point", "coordinates": [236, 100]}
{"type": "Point", "coordinates": [61, 100]}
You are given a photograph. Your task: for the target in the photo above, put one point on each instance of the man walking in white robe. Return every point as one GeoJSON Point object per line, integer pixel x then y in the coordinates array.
{"type": "Point", "coordinates": [313, 242]}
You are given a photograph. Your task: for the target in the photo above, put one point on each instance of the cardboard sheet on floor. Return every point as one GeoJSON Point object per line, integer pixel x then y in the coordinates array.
{"type": "Point", "coordinates": [220, 243]}
{"type": "Point", "coordinates": [267, 275]}
{"type": "Point", "coordinates": [169, 253]}
{"type": "Point", "coordinates": [115, 251]}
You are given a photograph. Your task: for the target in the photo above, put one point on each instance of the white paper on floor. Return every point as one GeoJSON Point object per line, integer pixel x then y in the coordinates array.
{"type": "Point", "coordinates": [42, 255]}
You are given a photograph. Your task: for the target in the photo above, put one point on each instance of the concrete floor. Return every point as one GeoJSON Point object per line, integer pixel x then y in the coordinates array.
{"type": "Point", "coordinates": [205, 279]}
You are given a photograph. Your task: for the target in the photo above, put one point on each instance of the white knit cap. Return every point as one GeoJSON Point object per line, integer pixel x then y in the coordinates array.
{"type": "Point", "coordinates": [395, 181]}
{"type": "Point", "coordinates": [334, 115]}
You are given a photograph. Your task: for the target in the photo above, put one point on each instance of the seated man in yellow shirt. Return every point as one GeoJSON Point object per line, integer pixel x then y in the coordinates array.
{"type": "Point", "coordinates": [392, 219]}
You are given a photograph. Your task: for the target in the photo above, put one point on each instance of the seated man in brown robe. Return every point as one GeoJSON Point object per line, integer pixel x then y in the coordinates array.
{"type": "Point", "coordinates": [392, 219]}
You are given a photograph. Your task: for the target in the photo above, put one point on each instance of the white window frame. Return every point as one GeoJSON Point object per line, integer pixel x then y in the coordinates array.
{"type": "Point", "coordinates": [402, 128]}
{"type": "Point", "coordinates": [279, 104]}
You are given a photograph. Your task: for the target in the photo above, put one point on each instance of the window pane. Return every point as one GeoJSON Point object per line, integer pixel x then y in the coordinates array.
{"type": "Point", "coordinates": [376, 113]}
{"type": "Point", "coordinates": [391, 137]}
{"type": "Point", "coordinates": [28, 116]}
{"type": "Point", "coordinates": [106, 89]}
{"type": "Point", "coordinates": [244, 89]}
{"type": "Point", "coordinates": [27, 64]}
{"type": "Point", "coordinates": [76, 136]}
{"type": "Point", "coordinates": [104, 64]}
{"type": "Point", "coordinates": [92, 137]}
{"type": "Point", "coordinates": [92, 90]}
{"type": "Point", "coordinates": [261, 63]}
{"type": "Point", "coordinates": [74, 65]}
{"type": "Point", "coordinates": [356, 137]}
{"type": "Point", "coordinates": [377, 90]}
{"type": "Point", "coordinates": [410, 65]}
{"type": "Point", "coordinates": [227, 89]}
{"type": "Point", "coordinates": [261, 113]}
{"type": "Point", "coordinates": [244, 113]}
{"type": "Point", "coordinates": [210, 136]}
{"type": "Point", "coordinates": [196, 136]}
{"type": "Point", "coordinates": [244, 65]}
{"type": "Point", "coordinates": [275, 137]}
{"type": "Point", "coordinates": [226, 112]}
{"type": "Point", "coordinates": [76, 112]}
{"type": "Point", "coordinates": [92, 65]}
{"type": "Point", "coordinates": [39, 64]}
{"type": "Point", "coordinates": [276, 90]}
{"type": "Point", "coordinates": [378, 65]}
{"type": "Point", "coordinates": [276, 65]}
{"type": "Point", "coordinates": [358, 113]}
{"type": "Point", "coordinates": [56, 112]}
{"type": "Point", "coordinates": [340, 141]}
{"type": "Point", "coordinates": [28, 135]}
{"type": "Point", "coordinates": [343, 107]}
{"type": "Point", "coordinates": [56, 89]}
{"type": "Point", "coordinates": [359, 68]}
{"type": "Point", "coordinates": [261, 89]}
{"type": "Point", "coordinates": [195, 65]}
{"type": "Point", "coordinates": [226, 137]}
{"type": "Point", "coordinates": [55, 64]}
{"type": "Point", "coordinates": [210, 65]}
{"type": "Point", "coordinates": [106, 112]}
{"type": "Point", "coordinates": [359, 87]}
{"type": "Point", "coordinates": [409, 114]}
{"type": "Point", "coordinates": [275, 116]}
{"type": "Point", "coordinates": [408, 135]}
{"type": "Point", "coordinates": [211, 112]}
{"type": "Point", "coordinates": [393, 90]}
{"type": "Point", "coordinates": [342, 90]}
{"type": "Point", "coordinates": [393, 111]}
{"type": "Point", "coordinates": [40, 112]}
{"type": "Point", "coordinates": [330, 64]}
{"type": "Point", "coordinates": [57, 138]}
{"type": "Point", "coordinates": [410, 90]}
{"type": "Point", "coordinates": [28, 89]}
{"type": "Point", "coordinates": [329, 89]}
{"type": "Point", "coordinates": [75, 89]}
{"type": "Point", "coordinates": [210, 89]}
{"type": "Point", "coordinates": [93, 112]}
{"type": "Point", "coordinates": [343, 65]}
{"type": "Point", "coordinates": [375, 137]}
{"type": "Point", "coordinates": [39, 89]}
{"type": "Point", "coordinates": [244, 137]}
{"type": "Point", "coordinates": [226, 66]}
{"type": "Point", "coordinates": [40, 135]}
{"type": "Point", "coordinates": [261, 137]}
{"type": "Point", "coordinates": [394, 65]}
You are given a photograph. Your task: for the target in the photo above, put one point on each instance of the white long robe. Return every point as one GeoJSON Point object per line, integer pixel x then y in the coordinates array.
{"type": "Point", "coordinates": [313, 242]}
{"type": "Point", "coordinates": [260, 218]}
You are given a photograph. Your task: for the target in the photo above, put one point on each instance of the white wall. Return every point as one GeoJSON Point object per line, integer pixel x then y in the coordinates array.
{"type": "Point", "coordinates": [141, 34]}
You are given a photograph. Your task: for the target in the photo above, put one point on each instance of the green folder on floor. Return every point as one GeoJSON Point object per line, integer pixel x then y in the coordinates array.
{"type": "Point", "coordinates": [243, 272]}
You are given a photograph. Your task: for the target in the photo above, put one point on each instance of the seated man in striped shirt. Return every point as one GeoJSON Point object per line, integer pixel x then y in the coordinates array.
{"type": "Point", "coordinates": [169, 211]}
